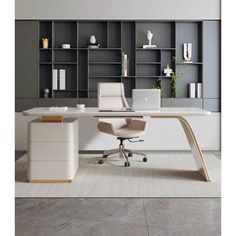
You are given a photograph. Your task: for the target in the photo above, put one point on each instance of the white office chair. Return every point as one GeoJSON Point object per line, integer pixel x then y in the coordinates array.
{"type": "Point", "coordinates": [111, 95]}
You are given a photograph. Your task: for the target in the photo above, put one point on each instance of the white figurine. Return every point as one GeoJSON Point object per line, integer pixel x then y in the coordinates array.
{"type": "Point", "coordinates": [168, 71]}
{"type": "Point", "coordinates": [149, 37]}
{"type": "Point", "coordinates": [46, 92]}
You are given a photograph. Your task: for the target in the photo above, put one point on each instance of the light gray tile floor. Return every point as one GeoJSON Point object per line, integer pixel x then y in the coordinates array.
{"type": "Point", "coordinates": [118, 216]}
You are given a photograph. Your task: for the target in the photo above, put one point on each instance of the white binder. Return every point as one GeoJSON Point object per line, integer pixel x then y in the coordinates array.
{"type": "Point", "coordinates": [54, 79]}
{"type": "Point", "coordinates": [62, 77]}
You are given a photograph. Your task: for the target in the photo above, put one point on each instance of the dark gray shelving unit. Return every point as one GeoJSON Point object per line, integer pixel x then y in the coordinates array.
{"type": "Point", "coordinates": [85, 67]}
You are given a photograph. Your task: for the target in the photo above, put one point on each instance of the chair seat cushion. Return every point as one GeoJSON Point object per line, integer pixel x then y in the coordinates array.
{"type": "Point", "coordinates": [128, 133]}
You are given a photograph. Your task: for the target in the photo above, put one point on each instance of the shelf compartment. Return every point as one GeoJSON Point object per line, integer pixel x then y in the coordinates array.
{"type": "Point", "coordinates": [65, 56]}
{"type": "Point", "coordinates": [148, 70]}
{"type": "Point", "coordinates": [82, 69]}
{"type": "Point", "coordinates": [65, 32]}
{"type": "Point", "coordinates": [193, 74]}
{"type": "Point", "coordinates": [45, 75]}
{"type": "Point", "coordinates": [104, 70]}
{"type": "Point", "coordinates": [68, 93]}
{"type": "Point", "coordinates": [105, 56]}
{"type": "Point", "coordinates": [163, 34]}
{"type": "Point", "coordinates": [71, 75]}
{"type": "Point", "coordinates": [45, 56]}
{"type": "Point", "coordinates": [114, 34]}
{"type": "Point", "coordinates": [148, 56]}
{"type": "Point", "coordinates": [167, 59]}
{"type": "Point", "coordinates": [128, 43]}
{"type": "Point", "coordinates": [45, 31]}
{"type": "Point", "coordinates": [189, 32]}
{"type": "Point", "coordinates": [97, 28]}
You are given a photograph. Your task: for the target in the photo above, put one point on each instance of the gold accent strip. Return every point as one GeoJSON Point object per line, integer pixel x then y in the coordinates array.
{"type": "Point", "coordinates": [50, 181]}
{"type": "Point", "coordinates": [52, 118]}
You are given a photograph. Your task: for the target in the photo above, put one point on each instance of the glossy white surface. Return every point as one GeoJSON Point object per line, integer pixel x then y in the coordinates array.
{"type": "Point", "coordinates": [93, 111]}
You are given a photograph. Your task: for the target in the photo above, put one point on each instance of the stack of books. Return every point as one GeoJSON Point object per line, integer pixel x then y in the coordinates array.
{"type": "Point", "coordinates": [124, 64]}
{"type": "Point", "coordinates": [93, 45]}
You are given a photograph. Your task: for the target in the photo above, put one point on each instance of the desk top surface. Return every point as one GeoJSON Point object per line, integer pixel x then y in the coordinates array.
{"type": "Point", "coordinates": [94, 112]}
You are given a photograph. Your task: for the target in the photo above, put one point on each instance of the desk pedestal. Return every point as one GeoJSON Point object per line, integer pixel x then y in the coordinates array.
{"type": "Point", "coordinates": [52, 151]}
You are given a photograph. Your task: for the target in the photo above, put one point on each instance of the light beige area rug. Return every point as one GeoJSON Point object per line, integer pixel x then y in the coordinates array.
{"type": "Point", "coordinates": [164, 175]}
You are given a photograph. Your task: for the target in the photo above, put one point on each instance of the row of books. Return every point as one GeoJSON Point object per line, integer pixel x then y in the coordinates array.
{"type": "Point", "coordinates": [59, 79]}
{"type": "Point", "coordinates": [125, 65]}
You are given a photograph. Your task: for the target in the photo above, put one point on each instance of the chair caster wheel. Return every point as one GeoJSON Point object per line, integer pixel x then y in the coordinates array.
{"type": "Point", "coordinates": [100, 161]}
{"type": "Point", "coordinates": [130, 154]}
{"type": "Point", "coordinates": [127, 164]}
{"type": "Point", "coordinates": [105, 156]}
{"type": "Point", "coordinates": [145, 159]}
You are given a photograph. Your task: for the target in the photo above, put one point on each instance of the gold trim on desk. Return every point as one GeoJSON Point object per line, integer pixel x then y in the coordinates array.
{"type": "Point", "coordinates": [50, 181]}
{"type": "Point", "coordinates": [52, 118]}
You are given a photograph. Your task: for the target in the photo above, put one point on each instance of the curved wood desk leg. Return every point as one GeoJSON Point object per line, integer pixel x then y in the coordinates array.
{"type": "Point", "coordinates": [196, 151]}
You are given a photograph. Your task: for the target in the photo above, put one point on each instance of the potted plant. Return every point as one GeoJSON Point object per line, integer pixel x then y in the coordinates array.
{"type": "Point", "coordinates": [174, 77]}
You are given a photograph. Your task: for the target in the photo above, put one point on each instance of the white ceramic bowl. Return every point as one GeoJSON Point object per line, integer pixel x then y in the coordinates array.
{"type": "Point", "coordinates": [80, 106]}
{"type": "Point", "coordinates": [65, 45]}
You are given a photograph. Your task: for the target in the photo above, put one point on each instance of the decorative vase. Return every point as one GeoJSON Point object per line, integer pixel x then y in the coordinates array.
{"type": "Point", "coordinates": [187, 52]}
{"type": "Point", "coordinates": [92, 39]}
{"type": "Point", "coordinates": [45, 42]}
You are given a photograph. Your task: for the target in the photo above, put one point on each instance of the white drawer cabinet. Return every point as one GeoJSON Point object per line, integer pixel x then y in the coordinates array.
{"type": "Point", "coordinates": [52, 150]}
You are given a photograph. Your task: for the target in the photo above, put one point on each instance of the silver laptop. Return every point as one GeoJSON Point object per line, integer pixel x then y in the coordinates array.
{"type": "Point", "coordinates": [146, 99]}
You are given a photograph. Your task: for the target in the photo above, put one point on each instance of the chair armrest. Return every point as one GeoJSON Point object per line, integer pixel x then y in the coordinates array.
{"type": "Point", "coordinates": [106, 127]}
{"type": "Point", "coordinates": [137, 124]}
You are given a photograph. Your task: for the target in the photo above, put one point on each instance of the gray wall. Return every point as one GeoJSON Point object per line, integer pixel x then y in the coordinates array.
{"type": "Point", "coordinates": [117, 9]}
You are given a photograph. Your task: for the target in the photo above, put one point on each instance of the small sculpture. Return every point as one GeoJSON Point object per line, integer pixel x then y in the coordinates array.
{"type": "Point", "coordinates": [168, 71]}
{"type": "Point", "coordinates": [46, 92]}
{"type": "Point", "coordinates": [92, 39]}
{"type": "Point", "coordinates": [187, 52]}
{"type": "Point", "coordinates": [149, 37]}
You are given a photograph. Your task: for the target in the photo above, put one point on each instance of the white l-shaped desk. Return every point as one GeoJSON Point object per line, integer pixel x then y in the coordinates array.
{"type": "Point", "coordinates": [163, 113]}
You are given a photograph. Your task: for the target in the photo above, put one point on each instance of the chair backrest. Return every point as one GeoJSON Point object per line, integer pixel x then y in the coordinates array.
{"type": "Point", "coordinates": [112, 95]}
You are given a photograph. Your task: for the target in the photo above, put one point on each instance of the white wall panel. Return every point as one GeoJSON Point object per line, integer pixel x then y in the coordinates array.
{"type": "Point", "coordinates": [117, 9]}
